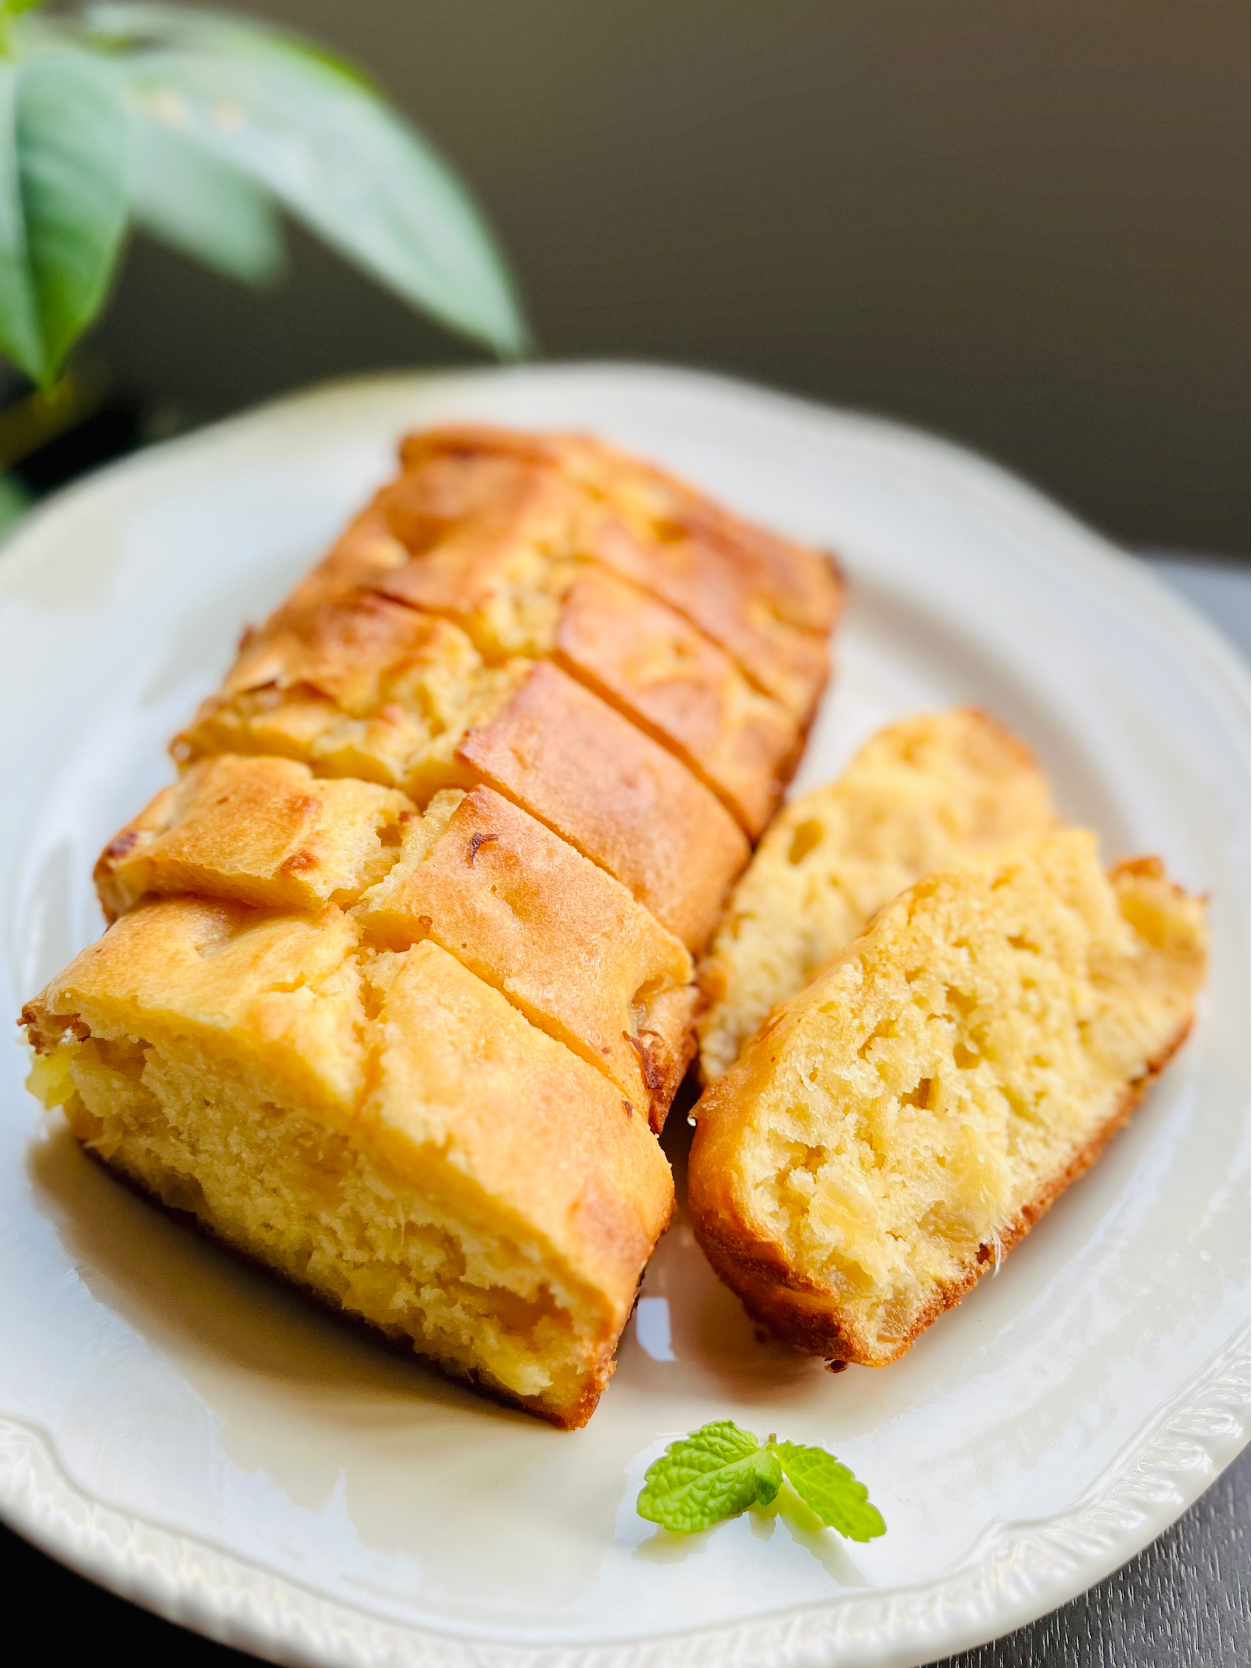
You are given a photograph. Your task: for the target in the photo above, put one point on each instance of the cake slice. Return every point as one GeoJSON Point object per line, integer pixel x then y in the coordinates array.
{"type": "Point", "coordinates": [352, 684]}
{"type": "Point", "coordinates": [918, 796]}
{"type": "Point", "coordinates": [659, 671]}
{"type": "Point", "coordinates": [623, 801]}
{"type": "Point", "coordinates": [895, 1127]}
{"type": "Point", "coordinates": [381, 1127]}
{"type": "Point", "coordinates": [255, 830]}
{"type": "Point", "coordinates": [565, 942]}
{"type": "Point", "coordinates": [517, 905]}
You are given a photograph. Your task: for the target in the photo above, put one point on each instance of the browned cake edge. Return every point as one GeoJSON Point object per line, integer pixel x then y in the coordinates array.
{"type": "Point", "coordinates": [800, 1313]}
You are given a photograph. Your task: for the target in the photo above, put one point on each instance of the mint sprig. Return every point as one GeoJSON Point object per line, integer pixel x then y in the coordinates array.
{"type": "Point", "coordinates": [721, 1470]}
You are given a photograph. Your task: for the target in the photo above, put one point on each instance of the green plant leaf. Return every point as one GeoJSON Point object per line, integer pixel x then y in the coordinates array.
{"type": "Point", "coordinates": [20, 337]}
{"type": "Point", "coordinates": [831, 1491]}
{"type": "Point", "coordinates": [184, 196]}
{"type": "Point", "coordinates": [71, 136]}
{"type": "Point", "coordinates": [62, 204]}
{"type": "Point", "coordinates": [191, 29]}
{"type": "Point", "coordinates": [337, 158]}
{"type": "Point", "coordinates": [14, 501]}
{"type": "Point", "coordinates": [716, 1472]}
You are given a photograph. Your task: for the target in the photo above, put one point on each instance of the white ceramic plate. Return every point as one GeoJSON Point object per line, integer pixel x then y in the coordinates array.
{"type": "Point", "coordinates": [197, 1438]}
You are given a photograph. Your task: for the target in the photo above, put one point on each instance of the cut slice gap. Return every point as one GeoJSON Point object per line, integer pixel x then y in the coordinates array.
{"type": "Point", "coordinates": [558, 937]}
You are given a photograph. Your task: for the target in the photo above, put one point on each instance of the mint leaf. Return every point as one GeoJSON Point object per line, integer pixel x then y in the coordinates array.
{"type": "Point", "coordinates": [720, 1470]}
{"type": "Point", "coordinates": [831, 1491]}
{"type": "Point", "coordinates": [716, 1472]}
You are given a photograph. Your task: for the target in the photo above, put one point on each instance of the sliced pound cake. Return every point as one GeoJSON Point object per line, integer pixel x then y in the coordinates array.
{"type": "Point", "coordinates": [918, 796]}
{"type": "Point", "coordinates": [896, 1126]}
{"type": "Point", "coordinates": [399, 983]}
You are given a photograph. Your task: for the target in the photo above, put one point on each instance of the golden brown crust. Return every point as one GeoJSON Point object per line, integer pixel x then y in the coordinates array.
{"type": "Point", "coordinates": [572, 761]}
{"type": "Point", "coordinates": [454, 475]}
{"type": "Point", "coordinates": [367, 689]}
{"type": "Point", "coordinates": [350, 684]}
{"type": "Point", "coordinates": [256, 830]}
{"type": "Point", "coordinates": [474, 572]}
{"type": "Point", "coordinates": [344, 646]}
{"type": "Point", "coordinates": [678, 685]}
{"type": "Point", "coordinates": [802, 585]}
{"type": "Point", "coordinates": [788, 663]}
{"type": "Point", "coordinates": [496, 997]}
{"type": "Point", "coordinates": [561, 938]}
{"type": "Point", "coordinates": [347, 645]}
{"type": "Point", "coordinates": [768, 601]}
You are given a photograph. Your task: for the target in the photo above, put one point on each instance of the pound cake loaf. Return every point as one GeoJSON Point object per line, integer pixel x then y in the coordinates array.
{"type": "Point", "coordinates": [919, 795]}
{"type": "Point", "coordinates": [893, 1129]}
{"type": "Point", "coordinates": [399, 983]}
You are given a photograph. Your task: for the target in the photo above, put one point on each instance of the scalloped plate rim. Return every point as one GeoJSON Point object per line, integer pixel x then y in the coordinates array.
{"type": "Point", "coordinates": [1158, 1473]}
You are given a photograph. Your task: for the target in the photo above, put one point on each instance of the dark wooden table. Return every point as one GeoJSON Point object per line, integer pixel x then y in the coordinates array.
{"type": "Point", "coordinates": [1184, 1602]}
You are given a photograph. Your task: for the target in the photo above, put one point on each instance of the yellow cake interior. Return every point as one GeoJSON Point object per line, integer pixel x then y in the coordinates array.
{"type": "Point", "coordinates": [379, 1126]}
{"type": "Point", "coordinates": [325, 1212]}
{"type": "Point", "coordinates": [917, 796]}
{"type": "Point", "coordinates": [900, 1122]}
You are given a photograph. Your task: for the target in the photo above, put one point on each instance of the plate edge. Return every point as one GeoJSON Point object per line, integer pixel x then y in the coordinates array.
{"type": "Point", "coordinates": [1067, 537]}
{"type": "Point", "coordinates": [1017, 1572]}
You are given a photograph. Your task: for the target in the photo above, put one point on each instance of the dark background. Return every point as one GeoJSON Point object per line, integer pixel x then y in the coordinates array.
{"type": "Point", "coordinates": [1019, 222]}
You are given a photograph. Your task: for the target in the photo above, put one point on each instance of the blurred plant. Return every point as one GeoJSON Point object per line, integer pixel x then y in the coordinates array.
{"type": "Point", "coordinates": [199, 128]}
